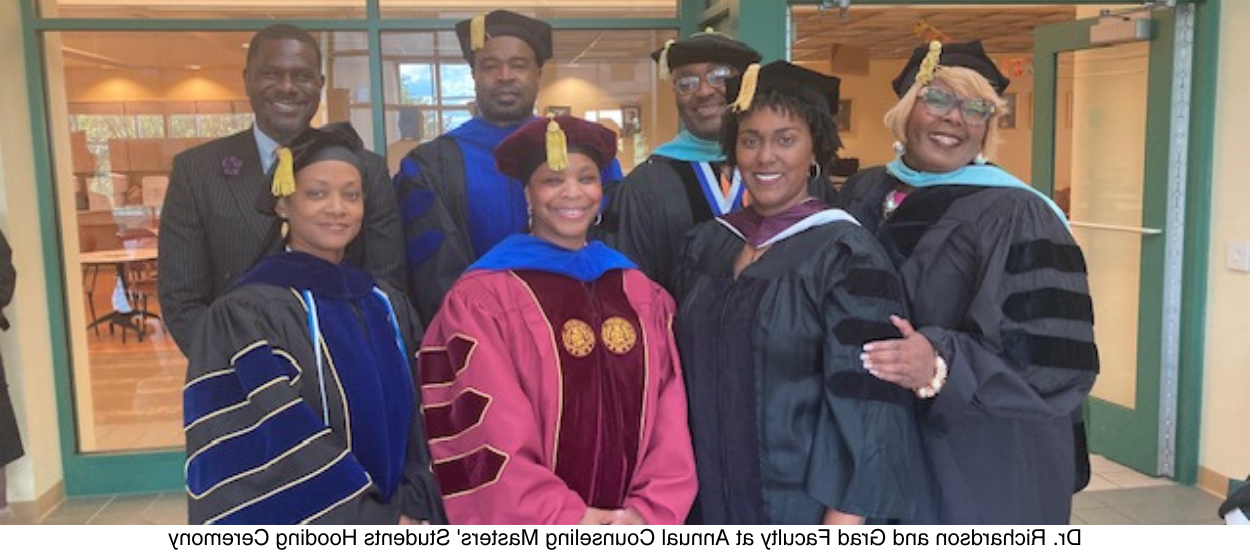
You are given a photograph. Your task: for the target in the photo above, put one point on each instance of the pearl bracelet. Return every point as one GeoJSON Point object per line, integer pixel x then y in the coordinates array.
{"type": "Point", "coordinates": [939, 379]}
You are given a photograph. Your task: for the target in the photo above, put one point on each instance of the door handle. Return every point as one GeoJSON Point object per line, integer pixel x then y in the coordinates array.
{"type": "Point", "coordinates": [1120, 228]}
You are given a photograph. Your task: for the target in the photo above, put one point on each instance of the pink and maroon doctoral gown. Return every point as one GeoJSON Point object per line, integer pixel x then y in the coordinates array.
{"type": "Point", "coordinates": [551, 383]}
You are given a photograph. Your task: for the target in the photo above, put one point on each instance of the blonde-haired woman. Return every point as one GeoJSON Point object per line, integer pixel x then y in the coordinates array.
{"type": "Point", "coordinates": [1000, 344]}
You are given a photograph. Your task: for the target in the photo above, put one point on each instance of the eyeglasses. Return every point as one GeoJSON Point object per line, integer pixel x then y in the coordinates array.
{"type": "Point", "coordinates": [940, 102]}
{"type": "Point", "coordinates": [689, 84]}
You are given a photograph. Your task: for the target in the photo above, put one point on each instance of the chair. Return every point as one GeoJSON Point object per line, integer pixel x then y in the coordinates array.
{"type": "Point", "coordinates": [141, 277]}
{"type": "Point", "coordinates": [90, 273]}
{"type": "Point", "coordinates": [154, 190]}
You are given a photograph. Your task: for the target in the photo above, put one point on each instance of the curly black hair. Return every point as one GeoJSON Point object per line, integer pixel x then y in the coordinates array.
{"type": "Point", "coordinates": [809, 109]}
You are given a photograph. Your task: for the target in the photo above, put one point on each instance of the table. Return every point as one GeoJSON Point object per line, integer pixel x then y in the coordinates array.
{"type": "Point", "coordinates": [121, 259]}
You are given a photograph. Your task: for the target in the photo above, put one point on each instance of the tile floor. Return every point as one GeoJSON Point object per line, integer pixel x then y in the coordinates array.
{"type": "Point", "coordinates": [1116, 496]}
{"type": "Point", "coordinates": [1119, 496]}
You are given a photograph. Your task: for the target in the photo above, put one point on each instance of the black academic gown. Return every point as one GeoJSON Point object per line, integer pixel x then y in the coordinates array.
{"type": "Point", "coordinates": [998, 285]}
{"type": "Point", "coordinates": [273, 437]}
{"type": "Point", "coordinates": [786, 421]}
{"type": "Point", "coordinates": [10, 438]}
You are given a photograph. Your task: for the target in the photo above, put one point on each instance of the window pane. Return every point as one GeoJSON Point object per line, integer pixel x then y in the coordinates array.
{"type": "Point", "coordinates": [182, 126]}
{"type": "Point", "coordinates": [201, 9]}
{"type": "Point", "coordinates": [416, 84]}
{"type": "Point", "coordinates": [453, 118]}
{"type": "Point", "coordinates": [596, 73]}
{"type": "Point", "coordinates": [133, 100]}
{"type": "Point", "coordinates": [151, 126]}
{"type": "Point", "coordinates": [456, 83]}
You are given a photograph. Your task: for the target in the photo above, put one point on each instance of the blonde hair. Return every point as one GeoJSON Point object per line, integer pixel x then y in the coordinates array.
{"type": "Point", "coordinates": [965, 83]}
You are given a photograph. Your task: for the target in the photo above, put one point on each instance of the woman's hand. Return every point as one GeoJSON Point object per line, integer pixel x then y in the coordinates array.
{"type": "Point", "coordinates": [627, 517]}
{"type": "Point", "coordinates": [834, 517]}
{"type": "Point", "coordinates": [405, 520]}
{"type": "Point", "coordinates": [597, 516]}
{"type": "Point", "coordinates": [909, 362]}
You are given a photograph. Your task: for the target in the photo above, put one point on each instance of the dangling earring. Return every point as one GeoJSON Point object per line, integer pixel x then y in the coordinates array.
{"type": "Point", "coordinates": [529, 217]}
{"type": "Point", "coordinates": [899, 148]}
{"type": "Point", "coordinates": [980, 160]}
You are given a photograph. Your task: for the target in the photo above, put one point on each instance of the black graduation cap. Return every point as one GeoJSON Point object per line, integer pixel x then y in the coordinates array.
{"type": "Point", "coordinates": [787, 78]}
{"type": "Point", "coordinates": [336, 141]}
{"type": "Point", "coordinates": [961, 54]}
{"type": "Point", "coordinates": [705, 47]}
{"type": "Point", "coordinates": [505, 23]}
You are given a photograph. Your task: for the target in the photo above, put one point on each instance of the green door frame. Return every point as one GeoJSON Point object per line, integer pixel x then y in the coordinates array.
{"type": "Point", "coordinates": [1128, 436]}
{"type": "Point", "coordinates": [154, 471]}
{"type": "Point", "coordinates": [765, 25]}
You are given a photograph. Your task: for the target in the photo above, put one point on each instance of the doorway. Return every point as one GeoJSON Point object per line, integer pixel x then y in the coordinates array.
{"type": "Point", "coordinates": [1074, 135]}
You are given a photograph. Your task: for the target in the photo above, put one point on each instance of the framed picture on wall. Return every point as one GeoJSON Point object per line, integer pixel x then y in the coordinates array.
{"type": "Point", "coordinates": [631, 120]}
{"type": "Point", "coordinates": [843, 118]}
{"type": "Point", "coordinates": [1008, 121]}
{"type": "Point", "coordinates": [559, 110]}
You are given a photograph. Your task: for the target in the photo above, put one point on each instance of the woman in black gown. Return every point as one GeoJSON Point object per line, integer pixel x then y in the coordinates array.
{"type": "Point", "coordinates": [774, 303]}
{"type": "Point", "coordinates": [1000, 341]}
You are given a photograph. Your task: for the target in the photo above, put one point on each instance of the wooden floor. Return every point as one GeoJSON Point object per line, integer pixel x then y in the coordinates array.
{"type": "Point", "coordinates": [136, 386]}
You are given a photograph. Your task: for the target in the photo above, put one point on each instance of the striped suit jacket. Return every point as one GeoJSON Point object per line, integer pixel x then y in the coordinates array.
{"type": "Point", "coordinates": [216, 223]}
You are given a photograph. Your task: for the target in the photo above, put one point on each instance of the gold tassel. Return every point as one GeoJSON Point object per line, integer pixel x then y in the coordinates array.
{"type": "Point", "coordinates": [477, 32]}
{"type": "Point", "coordinates": [284, 175]}
{"type": "Point", "coordinates": [746, 93]}
{"type": "Point", "coordinates": [664, 74]}
{"type": "Point", "coordinates": [930, 64]}
{"type": "Point", "coordinates": [557, 147]}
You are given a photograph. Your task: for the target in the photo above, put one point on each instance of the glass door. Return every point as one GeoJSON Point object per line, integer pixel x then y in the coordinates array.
{"type": "Point", "coordinates": [1101, 149]}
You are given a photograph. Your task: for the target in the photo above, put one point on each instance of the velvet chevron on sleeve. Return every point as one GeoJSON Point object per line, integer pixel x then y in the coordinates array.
{"type": "Point", "coordinates": [996, 282]}
{"type": "Point", "coordinates": [279, 434]}
{"type": "Point", "coordinates": [786, 421]}
{"type": "Point", "coordinates": [546, 396]}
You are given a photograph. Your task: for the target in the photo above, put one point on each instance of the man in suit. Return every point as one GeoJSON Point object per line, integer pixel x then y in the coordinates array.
{"type": "Point", "coordinates": [216, 221]}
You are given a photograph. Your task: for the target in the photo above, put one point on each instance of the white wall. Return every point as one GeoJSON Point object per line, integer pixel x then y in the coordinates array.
{"type": "Point", "coordinates": [26, 347]}
{"type": "Point", "coordinates": [1225, 408]}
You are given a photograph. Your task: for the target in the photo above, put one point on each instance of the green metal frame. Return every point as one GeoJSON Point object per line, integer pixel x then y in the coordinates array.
{"type": "Point", "coordinates": [1128, 436]}
{"type": "Point", "coordinates": [146, 472]}
{"type": "Point", "coordinates": [1196, 272]}
{"type": "Point", "coordinates": [84, 474]}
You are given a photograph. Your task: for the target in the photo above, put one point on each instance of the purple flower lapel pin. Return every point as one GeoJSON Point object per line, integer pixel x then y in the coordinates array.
{"type": "Point", "coordinates": [231, 165]}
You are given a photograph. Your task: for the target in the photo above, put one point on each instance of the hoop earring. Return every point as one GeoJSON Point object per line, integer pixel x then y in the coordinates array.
{"type": "Point", "coordinates": [816, 170]}
{"type": "Point", "coordinates": [598, 219]}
